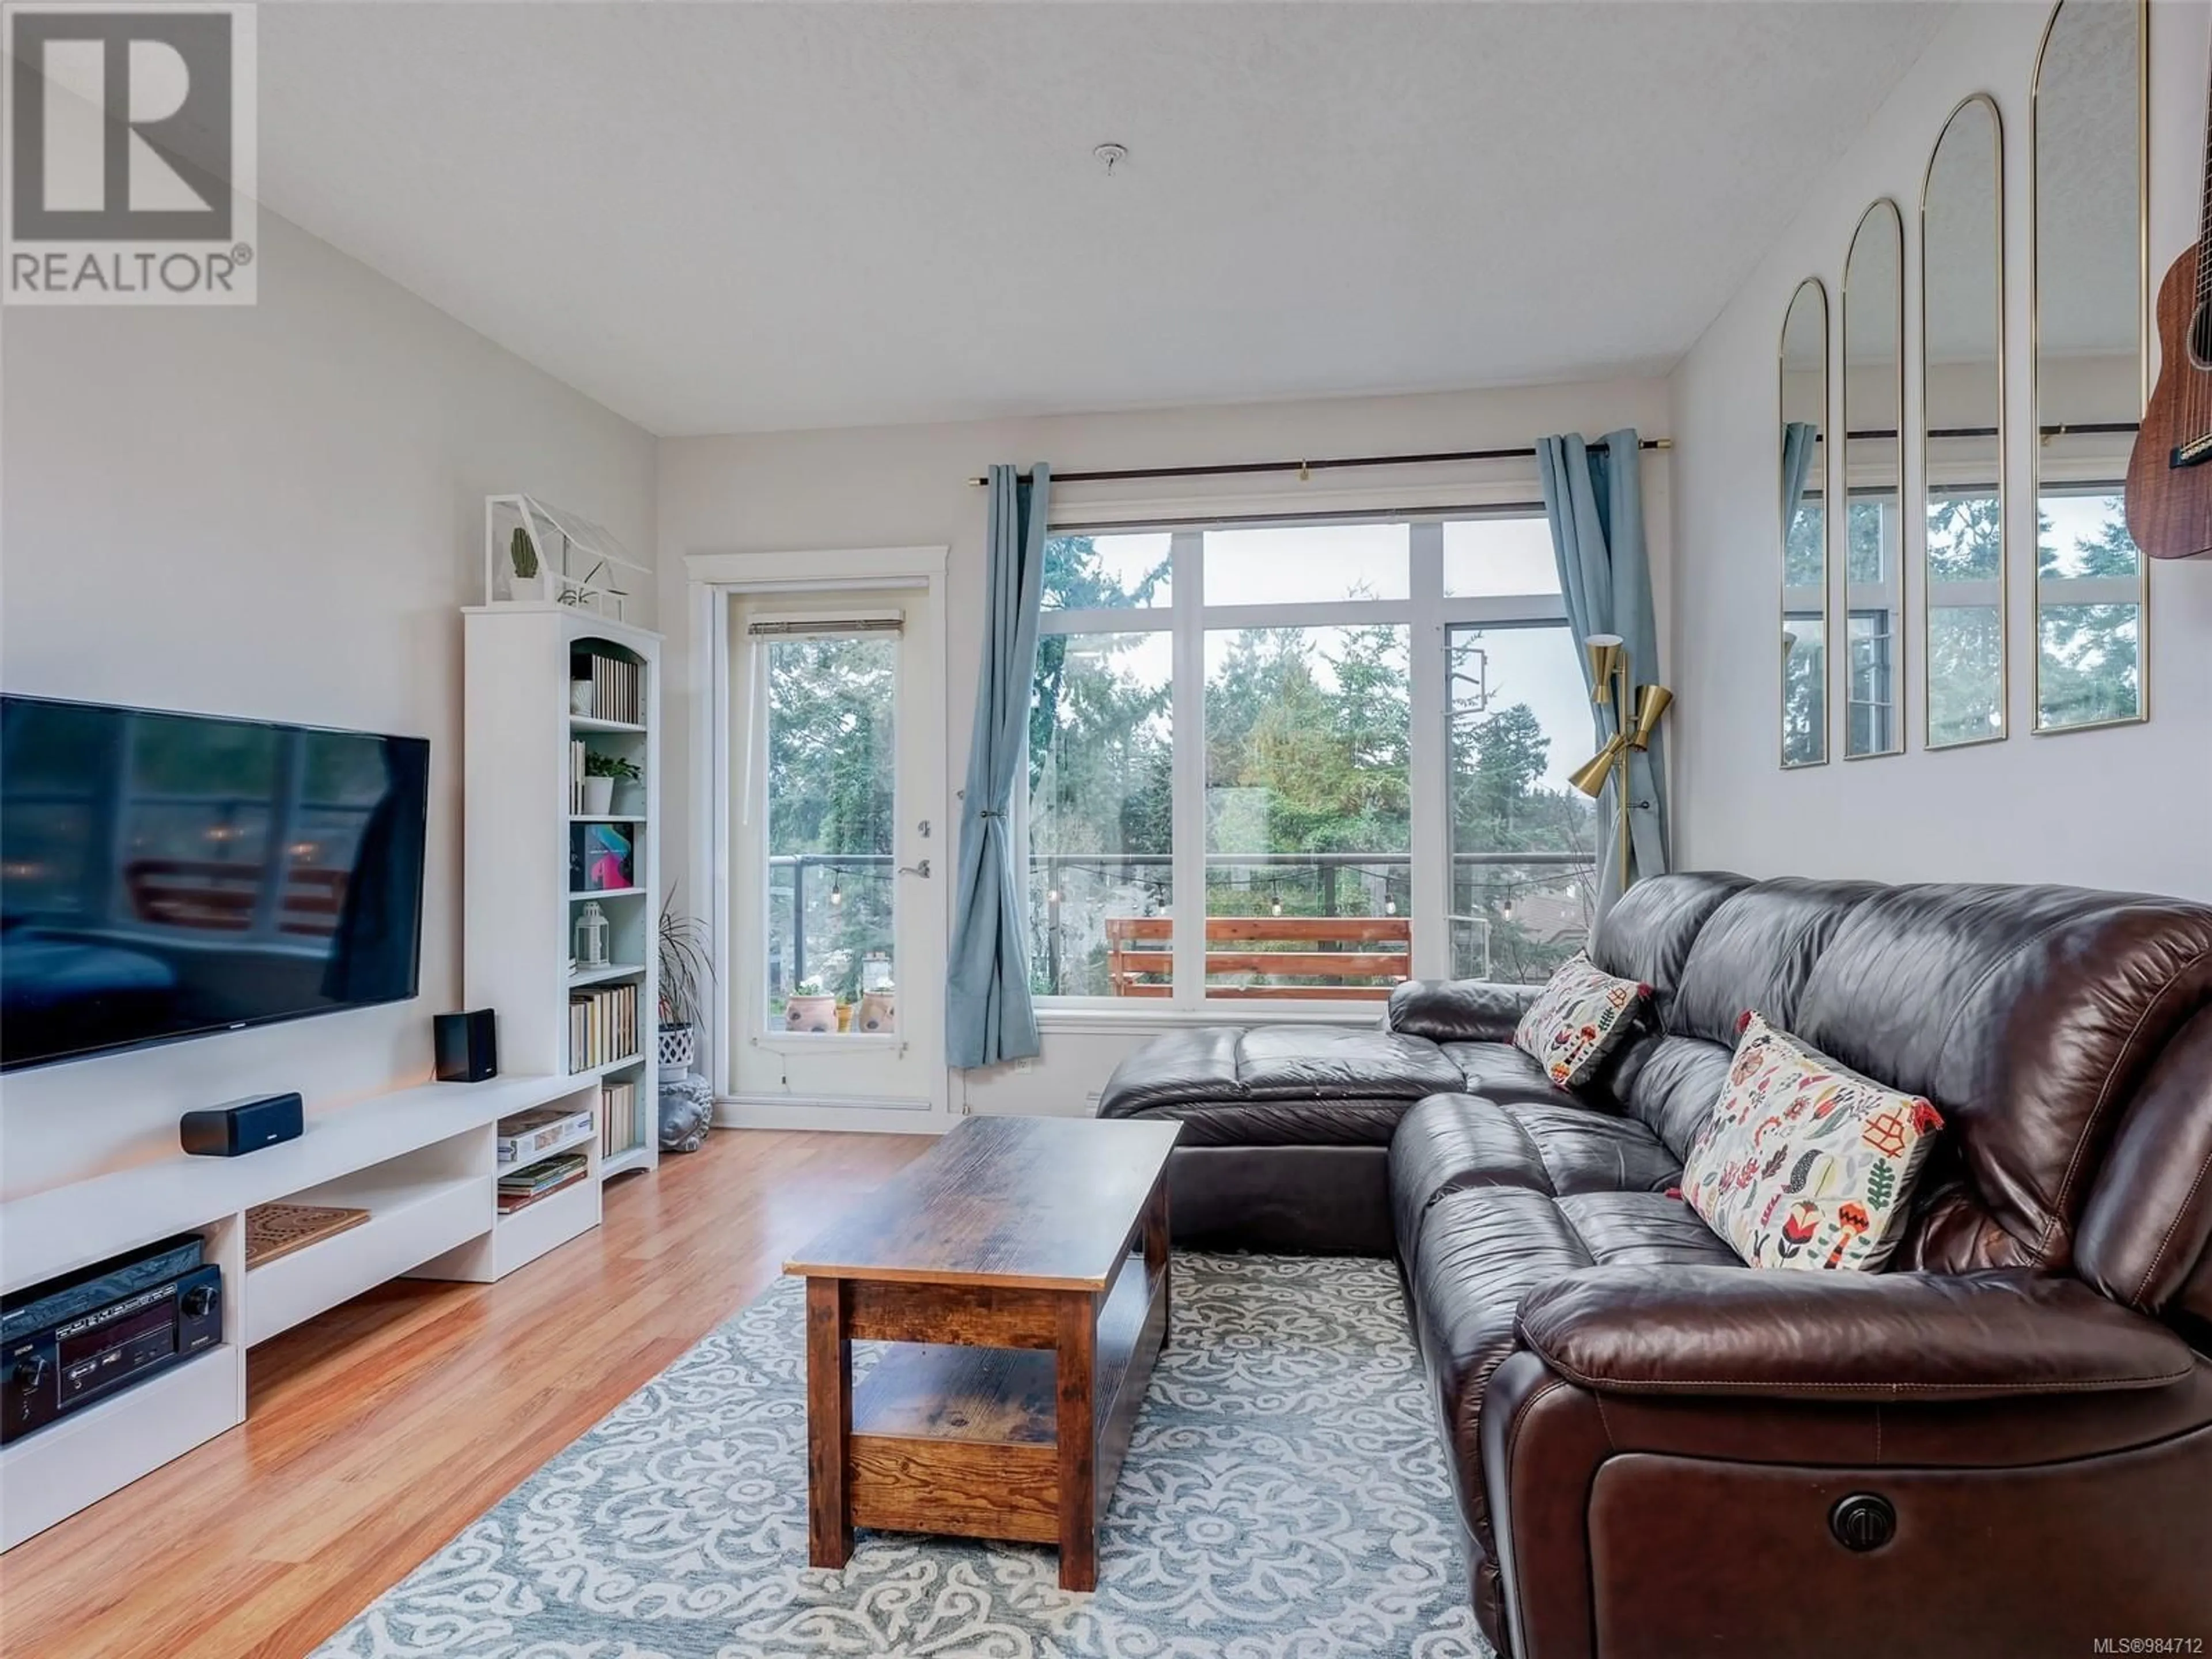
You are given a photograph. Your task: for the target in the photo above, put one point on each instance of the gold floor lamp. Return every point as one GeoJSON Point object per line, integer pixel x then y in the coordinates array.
{"type": "Point", "coordinates": [1636, 713]}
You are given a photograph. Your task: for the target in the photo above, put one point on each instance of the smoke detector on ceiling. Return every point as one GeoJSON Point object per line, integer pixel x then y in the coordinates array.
{"type": "Point", "coordinates": [1110, 156]}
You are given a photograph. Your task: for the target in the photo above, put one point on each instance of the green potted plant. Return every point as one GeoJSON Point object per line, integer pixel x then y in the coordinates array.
{"type": "Point", "coordinates": [812, 1008]}
{"type": "Point", "coordinates": [526, 580]}
{"type": "Point", "coordinates": [601, 773]}
{"type": "Point", "coordinates": [686, 970]}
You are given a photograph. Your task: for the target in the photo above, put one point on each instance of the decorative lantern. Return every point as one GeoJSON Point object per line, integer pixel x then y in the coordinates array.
{"type": "Point", "coordinates": [592, 937]}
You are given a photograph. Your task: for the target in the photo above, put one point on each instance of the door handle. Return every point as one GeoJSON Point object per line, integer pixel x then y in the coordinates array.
{"type": "Point", "coordinates": [921, 869]}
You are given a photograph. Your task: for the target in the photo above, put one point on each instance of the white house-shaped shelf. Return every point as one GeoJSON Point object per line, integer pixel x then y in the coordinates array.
{"type": "Point", "coordinates": [536, 553]}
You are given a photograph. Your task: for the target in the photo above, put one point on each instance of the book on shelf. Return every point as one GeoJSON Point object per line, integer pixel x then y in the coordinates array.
{"type": "Point", "coordinates": [576, 754]}
{"type": "Point", "coordinates": [601, 858]}
{"type": "Point", "coordinates": [541, 1180]}
{"type": "Point", "coordinates": [545, 1174]}
{"type": "Point", "coordinates": [524, 1135]}
{"type": "Point", "coordinates": [602, 1026]}
{"type": "Point", "coordinates": [620, 1127]}
{"type": "Point", "coordinates": [617, 686]}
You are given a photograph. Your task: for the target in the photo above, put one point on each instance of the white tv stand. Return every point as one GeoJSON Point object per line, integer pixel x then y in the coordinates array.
{"type": "Point", "coordinates": [423, 1163]}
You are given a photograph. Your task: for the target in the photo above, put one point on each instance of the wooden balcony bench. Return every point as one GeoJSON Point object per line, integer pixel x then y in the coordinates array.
{"type": "Point", "coordinates": [1376, 953]}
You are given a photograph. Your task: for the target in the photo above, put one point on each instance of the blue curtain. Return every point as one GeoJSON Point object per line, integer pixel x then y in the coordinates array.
{"type": "Point", "coordinates": [1800, 441]}
{"type": "Point", "coordinates": [1595, 499]}
{"type": "Point", "coordinates": [989, 1016]}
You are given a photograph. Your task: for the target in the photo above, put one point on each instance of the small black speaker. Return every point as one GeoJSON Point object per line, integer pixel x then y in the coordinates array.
{"type": "Point", "coordinates": [467, 1045]}
{"type": "Point", "coordinates": [243, 1126]}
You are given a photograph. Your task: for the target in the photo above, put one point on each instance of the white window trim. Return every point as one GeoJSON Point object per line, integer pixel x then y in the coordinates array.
{"type": "Point", "coordinates": [2088, 590]}
{"type": "Point", "coordinates": [1426, 613]}
{"type": "Point", "coordinates": [1979, 593]}
{"type": "Point", "coordinates": [1117, 1017]}
{"type": "Point", "coordinates": [1427, 491]}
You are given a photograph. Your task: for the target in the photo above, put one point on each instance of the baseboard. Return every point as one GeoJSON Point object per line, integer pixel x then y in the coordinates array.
{"type": "Point", "coordinates": [850, 1116]}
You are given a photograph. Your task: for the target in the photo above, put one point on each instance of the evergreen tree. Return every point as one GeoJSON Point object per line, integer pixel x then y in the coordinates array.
{"type": "Point", "coordinates": [830, 775]}
{"type": "Point", "coordinates": [1966, 643]}
{"type": "Point", "coordinates": [2090, 665]}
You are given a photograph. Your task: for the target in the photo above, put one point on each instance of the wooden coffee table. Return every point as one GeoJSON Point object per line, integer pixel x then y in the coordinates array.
{"type": "Point", "coordinates": [1022, 1266]}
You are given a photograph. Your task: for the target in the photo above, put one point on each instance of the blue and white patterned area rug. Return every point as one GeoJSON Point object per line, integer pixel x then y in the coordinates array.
{"type": "Point", "coordinates": [1284, 1497]}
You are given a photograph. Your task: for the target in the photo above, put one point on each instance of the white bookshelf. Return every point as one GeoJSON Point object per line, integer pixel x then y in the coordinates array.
{"type": "Point", "coordinates": [521, 900]}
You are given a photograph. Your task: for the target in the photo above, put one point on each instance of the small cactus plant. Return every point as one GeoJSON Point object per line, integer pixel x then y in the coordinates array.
{"type": "Point", "coordinates": [522, 554]}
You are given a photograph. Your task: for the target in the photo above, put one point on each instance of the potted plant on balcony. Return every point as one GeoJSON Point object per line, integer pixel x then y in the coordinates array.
{"type": "Point", "coordinates": [686, 972]}
{"type": "Point", "coordinates": [810, 1008]}
{"type": "Point", "coordinates": [878, 1010]}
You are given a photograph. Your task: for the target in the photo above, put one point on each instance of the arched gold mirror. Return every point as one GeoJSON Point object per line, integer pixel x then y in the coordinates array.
{"type": "Point", "coordinates": [1962, 428]}
{"type": "Point", "coordinates": [1804, 549]}
{"type": "Point", "coordinates": [1873, 368]}
{"type": "Point", "coordinates": [2090, 304]}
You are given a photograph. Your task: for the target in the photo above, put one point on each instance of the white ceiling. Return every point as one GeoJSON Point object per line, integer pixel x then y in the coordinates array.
{"type": "Point", "coordinates": [730, 217]}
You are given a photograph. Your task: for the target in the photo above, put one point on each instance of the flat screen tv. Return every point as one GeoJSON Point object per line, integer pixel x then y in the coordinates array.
{"type": "Point", "coordinates": [164, 876]}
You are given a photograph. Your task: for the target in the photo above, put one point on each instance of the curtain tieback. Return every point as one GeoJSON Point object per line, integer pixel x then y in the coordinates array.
{"type": "Point", "coordinates": [990, 813]}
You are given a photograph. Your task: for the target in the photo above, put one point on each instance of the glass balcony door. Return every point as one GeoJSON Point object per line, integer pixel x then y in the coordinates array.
{"type": "Point", "coordinates": [837, 915]}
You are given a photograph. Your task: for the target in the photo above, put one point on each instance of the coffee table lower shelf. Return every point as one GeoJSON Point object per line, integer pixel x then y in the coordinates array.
{"type": "Point", "coordinates": [966, 1440]}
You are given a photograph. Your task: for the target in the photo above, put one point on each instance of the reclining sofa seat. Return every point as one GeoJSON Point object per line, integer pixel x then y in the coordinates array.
{"type": "Point", "coordinates": [1649, 1440]}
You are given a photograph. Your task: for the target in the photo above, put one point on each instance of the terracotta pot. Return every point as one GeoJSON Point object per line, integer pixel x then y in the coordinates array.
{"type": "Point", "coordinates": [878, 1013]}
{"type": "Point", "coordinates": [815, 1014]}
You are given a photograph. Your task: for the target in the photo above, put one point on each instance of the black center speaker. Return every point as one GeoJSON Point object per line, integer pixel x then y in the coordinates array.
{"type": "Point", "coordinates": [467, 1046]}
{"type": "Point", "coordinates": [242, 1127]}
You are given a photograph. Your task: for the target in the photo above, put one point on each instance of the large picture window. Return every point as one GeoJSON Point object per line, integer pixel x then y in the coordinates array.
{"type": "Point", "coordinates": [1304, 763]}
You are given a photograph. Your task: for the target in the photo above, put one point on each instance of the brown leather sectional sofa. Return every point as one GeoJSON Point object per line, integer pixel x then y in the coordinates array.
{"type": "Point", "coordinates": [2002, 1446]}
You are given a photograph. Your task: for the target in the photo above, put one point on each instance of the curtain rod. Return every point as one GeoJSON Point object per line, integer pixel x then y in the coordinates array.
{"type": "Point", "coordinates": [1304, 468]}
{"type": "Point", "coordinates": [2077, 430]}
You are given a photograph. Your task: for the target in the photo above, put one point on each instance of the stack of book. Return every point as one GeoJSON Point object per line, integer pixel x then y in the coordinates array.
{"type": "Point", "coordinates": [527, 1134]}
{"type": "Point", "coordinates": [526, 1185]}
{"type": "Point", "coordinates": [602, 1026]}
{"type": "Point", "coordinates": [576, 753]}
{"type": "Point", "coordinates": [617, 686]}
{"type": "Point", "coordinates": [619, 1129]}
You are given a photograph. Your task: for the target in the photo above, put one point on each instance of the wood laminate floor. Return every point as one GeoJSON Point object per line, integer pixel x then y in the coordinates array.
{"type": "Point", "coordinates": [379, 1430]}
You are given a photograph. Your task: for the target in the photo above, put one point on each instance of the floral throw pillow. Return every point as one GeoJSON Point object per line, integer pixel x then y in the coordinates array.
{"type": "Point", "coordinates": [1578, 1018]}
{"type": "Point", "coordinates": [1804, 1163]}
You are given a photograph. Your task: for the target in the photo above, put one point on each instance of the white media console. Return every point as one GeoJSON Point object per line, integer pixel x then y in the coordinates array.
{"type": "Point", "coordinates": [421, 1162]}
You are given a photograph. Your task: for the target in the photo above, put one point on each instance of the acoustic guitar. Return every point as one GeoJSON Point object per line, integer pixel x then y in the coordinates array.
{"type": "Point", "coordinates": [2169, 499]}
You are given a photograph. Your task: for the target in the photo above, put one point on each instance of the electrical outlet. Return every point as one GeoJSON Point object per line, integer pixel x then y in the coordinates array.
{"type": "Point", "coordinates": [1024, 1068]}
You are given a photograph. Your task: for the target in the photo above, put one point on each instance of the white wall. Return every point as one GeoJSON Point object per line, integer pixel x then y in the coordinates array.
{"type": "Point", "coordinates": [907, 486]}
{"type": "Point", "coordinates": [271, 512]}
{"type": "Point", "coordinates": [2129, 807]}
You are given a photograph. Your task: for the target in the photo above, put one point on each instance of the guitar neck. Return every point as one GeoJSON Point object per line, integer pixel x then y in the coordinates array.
{"type": "Point", "coordinates": [2204, 210]}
